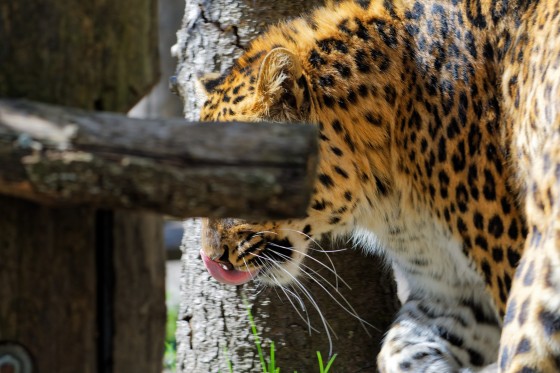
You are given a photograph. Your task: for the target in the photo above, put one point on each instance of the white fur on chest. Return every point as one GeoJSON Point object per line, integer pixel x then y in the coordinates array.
{"type": "Point", "coordinates": [424, 250]}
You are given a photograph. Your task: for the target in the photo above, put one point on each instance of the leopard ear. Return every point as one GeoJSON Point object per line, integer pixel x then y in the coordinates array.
{"type": "Point", "coordinates": [282, 88]}
{"type": "Point", "coordinates": [208, 82]}
{"type": "Point", "coordinates": [205, 85]}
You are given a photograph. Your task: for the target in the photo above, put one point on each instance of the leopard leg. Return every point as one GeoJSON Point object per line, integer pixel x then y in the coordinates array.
{"type": "Point", "coordinates": [440, 336]}
{"type": "Point", "coordinates": [531, 339]}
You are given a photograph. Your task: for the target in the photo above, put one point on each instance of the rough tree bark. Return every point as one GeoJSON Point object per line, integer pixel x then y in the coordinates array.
{"type": "Point", "coordinates": [213, 324]}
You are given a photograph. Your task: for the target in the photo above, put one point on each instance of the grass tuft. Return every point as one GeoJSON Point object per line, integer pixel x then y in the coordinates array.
{"type": "Point", "coordinates": [170, 354]}
{"type": "Point", "coordinates": [267, 365]}
{"type": "Point", "coordinates": [271, 367]}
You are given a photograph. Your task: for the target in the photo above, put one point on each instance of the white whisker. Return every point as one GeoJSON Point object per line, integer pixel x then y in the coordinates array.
{"type": "Point", "coordinates": [247, 267]}
{"type": "Point", "coordinates": [333, 271]}
{"type": "Point", "coordinates": [319, 245]}
{"type": "Point", "coordinates": [268, 264]}
{"type": "Point", "coordinates": [305, 319]}
{"type": "Point", "coordinates": [308, 295]}
{"type": "Point", "coordinates": [350, 310]}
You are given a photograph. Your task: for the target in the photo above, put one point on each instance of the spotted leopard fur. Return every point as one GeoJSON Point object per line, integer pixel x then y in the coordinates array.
{"type": "Point", "coordinates": [440, 147]}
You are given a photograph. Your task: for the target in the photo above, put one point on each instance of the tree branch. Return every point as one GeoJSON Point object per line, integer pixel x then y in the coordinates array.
{"type": "Point", "coordinates": [60, 156]}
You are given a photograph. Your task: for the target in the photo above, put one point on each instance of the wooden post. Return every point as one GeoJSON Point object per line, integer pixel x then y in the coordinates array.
{"type": "Point", "coordinates": [62, 297]}
{"type": "Point", "coordinates": [92, 54]}
{"type": "Point", "coordinates": [48, 285]}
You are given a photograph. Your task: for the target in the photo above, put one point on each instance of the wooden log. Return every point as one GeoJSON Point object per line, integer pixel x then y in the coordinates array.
{"type": "Point", "coordinates": [68, 156]}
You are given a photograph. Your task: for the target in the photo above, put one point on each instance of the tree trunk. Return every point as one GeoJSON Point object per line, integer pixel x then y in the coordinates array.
{"type": "Point", "coordinates": [214, 327]}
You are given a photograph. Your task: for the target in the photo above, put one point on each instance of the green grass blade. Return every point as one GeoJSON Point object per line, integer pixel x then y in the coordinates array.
{"type": "Point", "coordinates": [230, 365]}
{"type": "Point", "coordinates": [228, 360]}
{"type": "Point", "coordinates": [272, 367]}
{"type": "Point", "coordinates": [320, 359]}
{"type": "Point", "coordinates": [331, 361]}
{"type": "Point", "coordinates": [256, 335]}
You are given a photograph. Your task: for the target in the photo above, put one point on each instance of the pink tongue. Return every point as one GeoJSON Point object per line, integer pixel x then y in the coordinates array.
{"type": "Point", "coordinates": [228, 277]}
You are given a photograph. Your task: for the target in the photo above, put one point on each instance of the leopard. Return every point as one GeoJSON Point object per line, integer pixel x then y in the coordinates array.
{"type": "Point", "coordinates": [439, 149]}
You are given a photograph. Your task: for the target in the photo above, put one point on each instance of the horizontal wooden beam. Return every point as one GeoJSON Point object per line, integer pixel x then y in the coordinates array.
{"type": "Point", "coordinates": [64, 156]}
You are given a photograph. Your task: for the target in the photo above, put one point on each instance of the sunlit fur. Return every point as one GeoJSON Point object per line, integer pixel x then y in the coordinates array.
{"type": "Point", "coordinates": [439, 128]}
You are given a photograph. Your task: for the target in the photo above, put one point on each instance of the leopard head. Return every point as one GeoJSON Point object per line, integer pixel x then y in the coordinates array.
{"type": "Point", "coordinates": [269, 86]}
